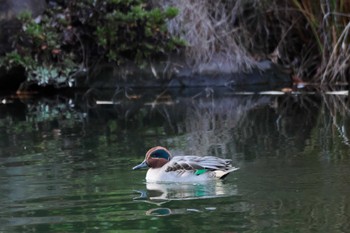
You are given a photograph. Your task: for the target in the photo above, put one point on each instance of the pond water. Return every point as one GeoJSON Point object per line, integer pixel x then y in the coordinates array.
{"type": "Point", "coordinates": [65, 162]}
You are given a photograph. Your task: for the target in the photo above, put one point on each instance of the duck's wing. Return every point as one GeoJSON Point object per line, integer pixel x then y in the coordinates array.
{"type": "Point", "coordinates": [198, 163]}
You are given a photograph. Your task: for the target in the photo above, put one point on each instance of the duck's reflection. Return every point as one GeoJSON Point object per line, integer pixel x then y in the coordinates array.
{"type": "Point", "coordinates": [159, 212]}
{"type": "Point", "coordinates": [162, 192]}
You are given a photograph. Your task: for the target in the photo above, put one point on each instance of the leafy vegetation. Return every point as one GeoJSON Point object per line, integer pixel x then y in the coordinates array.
{"type": "Point", "coordinates": [74, 35]}
{"type": "Point", "coordinates": [309, 37]}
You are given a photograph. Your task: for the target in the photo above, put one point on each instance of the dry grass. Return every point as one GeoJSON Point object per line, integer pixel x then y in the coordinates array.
{"type": "Point", "coordinates": [311, 37]}
{"type": "Point", "coordinates": [212, 37]}
{"type": "Point", "coordinates": [330, 24]}
{"type": "Point", "coordinates": [336, 61]}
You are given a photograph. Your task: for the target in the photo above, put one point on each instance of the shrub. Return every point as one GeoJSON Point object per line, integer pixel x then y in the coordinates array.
{"type": "Point", "coordinates": [74, 35]}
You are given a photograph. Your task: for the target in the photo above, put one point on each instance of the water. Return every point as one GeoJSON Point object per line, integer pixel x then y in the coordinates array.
{"type": "Point", "coordinates": [65, 162]}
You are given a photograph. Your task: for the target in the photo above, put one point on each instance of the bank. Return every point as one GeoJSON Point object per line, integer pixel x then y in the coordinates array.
{"type": "Point", "coordinates": [205, 70]}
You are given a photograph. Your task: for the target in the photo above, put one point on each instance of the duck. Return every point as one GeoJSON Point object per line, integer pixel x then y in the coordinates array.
{"type": "Point", "coordinates": [163, 167]}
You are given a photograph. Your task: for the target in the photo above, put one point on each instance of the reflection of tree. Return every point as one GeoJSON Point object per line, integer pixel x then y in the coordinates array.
{"type": "Point", "coordinates": [59, 158]}
{"type": "Point", "coordinates": [279, 129]}
{"type": "Point", "coordinates": [252, 126]}
{"type": "Point", "coordinates": [209, 123]}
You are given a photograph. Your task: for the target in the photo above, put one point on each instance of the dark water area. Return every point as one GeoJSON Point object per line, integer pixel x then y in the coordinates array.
{"type": "Point", "coordinates": [65, 162]}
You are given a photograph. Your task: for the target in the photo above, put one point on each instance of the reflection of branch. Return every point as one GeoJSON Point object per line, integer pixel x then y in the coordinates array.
{"type": "Point", "coordinates": [164, 112]}
{"type": "Point", "coordinates": [158, 98]}
{"type": "Point", "coordinates": [90, 97]}
{"type": "Point", "coordinates": [290, 105]}
{"type": "Point", "coordinates": [342, 133]}
{"type": "Point", "coordinates": [336, 104]}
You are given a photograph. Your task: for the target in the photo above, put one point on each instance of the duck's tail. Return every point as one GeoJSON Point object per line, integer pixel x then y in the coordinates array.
{"type": "Point", "coordinates": [221, 174]}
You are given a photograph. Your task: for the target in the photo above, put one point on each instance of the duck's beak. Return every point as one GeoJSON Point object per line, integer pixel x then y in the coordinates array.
{"type": "Point", "coordinates": [141, 165]}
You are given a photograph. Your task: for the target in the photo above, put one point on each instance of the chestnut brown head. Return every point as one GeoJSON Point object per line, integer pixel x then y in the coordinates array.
{"type": "Point", "coordinates": [155, 157]}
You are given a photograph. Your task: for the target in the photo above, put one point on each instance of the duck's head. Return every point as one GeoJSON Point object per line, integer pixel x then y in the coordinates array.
{"type": "Point", "coordinates": [155, 157]}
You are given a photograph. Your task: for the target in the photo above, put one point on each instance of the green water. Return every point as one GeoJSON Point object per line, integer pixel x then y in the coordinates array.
{"type": "Point", "coordinates": [65, 164]}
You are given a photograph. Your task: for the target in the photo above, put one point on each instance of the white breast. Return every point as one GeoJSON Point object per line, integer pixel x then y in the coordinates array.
{"type": "Point", "coordinates": [160, 175]}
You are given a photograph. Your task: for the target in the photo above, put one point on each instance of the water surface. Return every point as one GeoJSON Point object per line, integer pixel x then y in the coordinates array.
{"type": "Point", "coordinates": [65, 162]}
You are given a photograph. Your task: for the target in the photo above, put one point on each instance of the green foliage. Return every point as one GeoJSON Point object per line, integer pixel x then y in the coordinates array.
{"type": "Point", "coordinates": [137, 32]}
{"type": "Point", "coordinates": [75, 34]}
{"type": "Point", "coordinates": [38, 47]}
